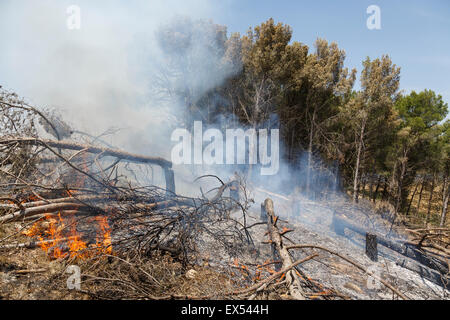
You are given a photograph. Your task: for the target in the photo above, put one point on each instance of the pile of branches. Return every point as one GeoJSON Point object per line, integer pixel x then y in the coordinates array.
{"type": "Point", "coordinates": [433, 238]}
{"type": "Point", "coordinates": [76, 182]}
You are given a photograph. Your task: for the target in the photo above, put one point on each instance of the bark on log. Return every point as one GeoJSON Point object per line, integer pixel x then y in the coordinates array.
{"type": "Point", "coordinates": [406, 249]}
{"type": "Point", "coordinates": [38, 210]}
{"type": "Point", "coordinates": [371, 246]}
{"type": "Point", "coordinates": [170, 181]}
{"type": "Point", "coordinates": [292, 279]}
{"type": "Point", "coordinates": [74, 199]}
{"type": "Point", "coordinates": [91, 149]}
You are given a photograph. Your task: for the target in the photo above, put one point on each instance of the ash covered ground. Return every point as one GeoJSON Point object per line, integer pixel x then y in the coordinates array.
{"type": "Point", "coordinates": [313, 225]}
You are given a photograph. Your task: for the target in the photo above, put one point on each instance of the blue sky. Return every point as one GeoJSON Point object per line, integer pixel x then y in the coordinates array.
{"type": "Point", "coordinates": [416, 34]}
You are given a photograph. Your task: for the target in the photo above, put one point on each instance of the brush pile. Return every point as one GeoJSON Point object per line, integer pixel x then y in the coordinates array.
{"type": "Point", "coordinates": [75, 201]}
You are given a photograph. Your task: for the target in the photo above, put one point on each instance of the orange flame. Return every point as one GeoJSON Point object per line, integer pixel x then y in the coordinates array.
{"type": "Point", "coordinates": [59, 241]}
{"type": "Point", "coordinates": [104, 241]}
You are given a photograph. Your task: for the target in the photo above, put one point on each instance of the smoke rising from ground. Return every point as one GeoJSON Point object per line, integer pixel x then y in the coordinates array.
{"type": "Point", "coordinates": [98, 76]}
{"type": "Point", "coordinates": [122, 70]}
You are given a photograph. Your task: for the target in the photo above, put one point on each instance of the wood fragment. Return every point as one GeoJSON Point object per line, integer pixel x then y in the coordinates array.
{"type": "Point", "coordinates": [29, 271]}
{"type": "Point", "coordinates": [39, 210]}
{"type": "Point", "coordinates": [291, 277]}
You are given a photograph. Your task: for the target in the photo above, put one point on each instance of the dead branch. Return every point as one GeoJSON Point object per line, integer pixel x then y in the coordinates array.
{"type": "Point", "coordinates": [258, 286]}
{"type": "Point", "coordinates": [304, 246]}
{"type": "Point", "coordinates": [89, 149]}
{"type": "Point", "coordinates": [291, 277]}
{"type": "Point", "coordinates": [407, 249]}
{"type": "Point", "coordinates": [28, 212]}
{"type": "Point", "coordinates": [29, 271]}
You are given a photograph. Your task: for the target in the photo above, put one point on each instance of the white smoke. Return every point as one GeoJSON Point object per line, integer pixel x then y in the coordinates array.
{"type": "Point", "coordinates": [103, 76]}
{"type": "Point", "coordinates": [107, 75]}
{"type": "Point", "coordinates": [94, 76]}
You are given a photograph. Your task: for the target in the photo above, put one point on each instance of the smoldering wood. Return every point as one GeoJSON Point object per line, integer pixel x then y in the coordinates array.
{"type": "Point", "coordinates": [54, 207]}
{"type": "Point", "coordinates": [31, 244]}
{"type": "Point", "coordinates": [406, 249]}
{"type": "Point", "coordinates": [371, 246]}
{"type": "Point", "coordinates": [170, 181]}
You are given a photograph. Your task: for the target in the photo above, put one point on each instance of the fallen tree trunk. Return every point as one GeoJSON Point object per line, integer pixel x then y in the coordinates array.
{"type": "Point", "coordinates": [90, 149]}
{"type": "Point", "coordinates": [32, 244]}
{"type": "Point", "coordinates": [292, 279]}
{"type": "Point", "coordinates": [119, 154]}
{"type": "Point", "coordinates": [405, 249]}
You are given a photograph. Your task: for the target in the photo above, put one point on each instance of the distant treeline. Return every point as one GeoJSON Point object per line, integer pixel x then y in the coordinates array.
{"type": "Point", "coordinates": [389, 143]}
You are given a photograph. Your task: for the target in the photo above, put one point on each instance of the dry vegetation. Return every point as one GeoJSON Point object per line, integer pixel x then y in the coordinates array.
{"type": "Point", "coordinates": [65, 202]}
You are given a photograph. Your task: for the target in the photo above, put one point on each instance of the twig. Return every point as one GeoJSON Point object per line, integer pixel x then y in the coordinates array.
{"type": "Point", "coordinates": [302, 246]}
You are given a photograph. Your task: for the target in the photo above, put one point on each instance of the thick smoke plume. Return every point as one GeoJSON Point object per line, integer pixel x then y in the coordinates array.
{"type": "Point", "coordinates": [123, 73]}
{"type": "Point", "coordinates": [98, 77]}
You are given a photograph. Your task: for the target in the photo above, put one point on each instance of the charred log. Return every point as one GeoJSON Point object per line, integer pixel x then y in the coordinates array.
{"type": "Point", "coordinates": [406, 249]}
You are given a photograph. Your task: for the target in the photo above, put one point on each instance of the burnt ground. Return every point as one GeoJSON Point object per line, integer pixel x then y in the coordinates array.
{"type": "Point", "coordinates": [312, 225]}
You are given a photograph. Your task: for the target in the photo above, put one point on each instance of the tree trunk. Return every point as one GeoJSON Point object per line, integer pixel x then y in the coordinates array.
{"type": "Point", "coordinates": [291, 149]}
{"type": "Point", "coordinates": [399, 203]}
{"type": "Point", "coordinates": [358, 161]}
{"type": "Point", "coordinates": [374, 199]}
{"type": "Point", "coordinates": [310, 146]}
{"type": "Point", "coordinates": [412, 198]}
{"type": "Point", "coordinates": [363, 189]}
{"type": "Point", "coordinates": [430, 200]}
{"type": "Point", "coordinates": [336, 181]}
{"type": "Point", "coordinates": [250, 165]}
{"type": "Point", "coordinates": [371, 184]}
{"type": "Point", "coordinates": [444, 209]}
{"type": "Point", "coordinates": [445, 196]}
{"type": "Point", "coordinates": [420, 194]}
{"type": "Point", "coordinates": [385, 187]}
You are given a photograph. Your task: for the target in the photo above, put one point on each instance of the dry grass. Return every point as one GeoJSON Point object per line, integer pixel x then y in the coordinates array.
{"type": "Point", "coordinates": [159, 275]}
{"type": "Point", "coordinates": [417, 215]}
